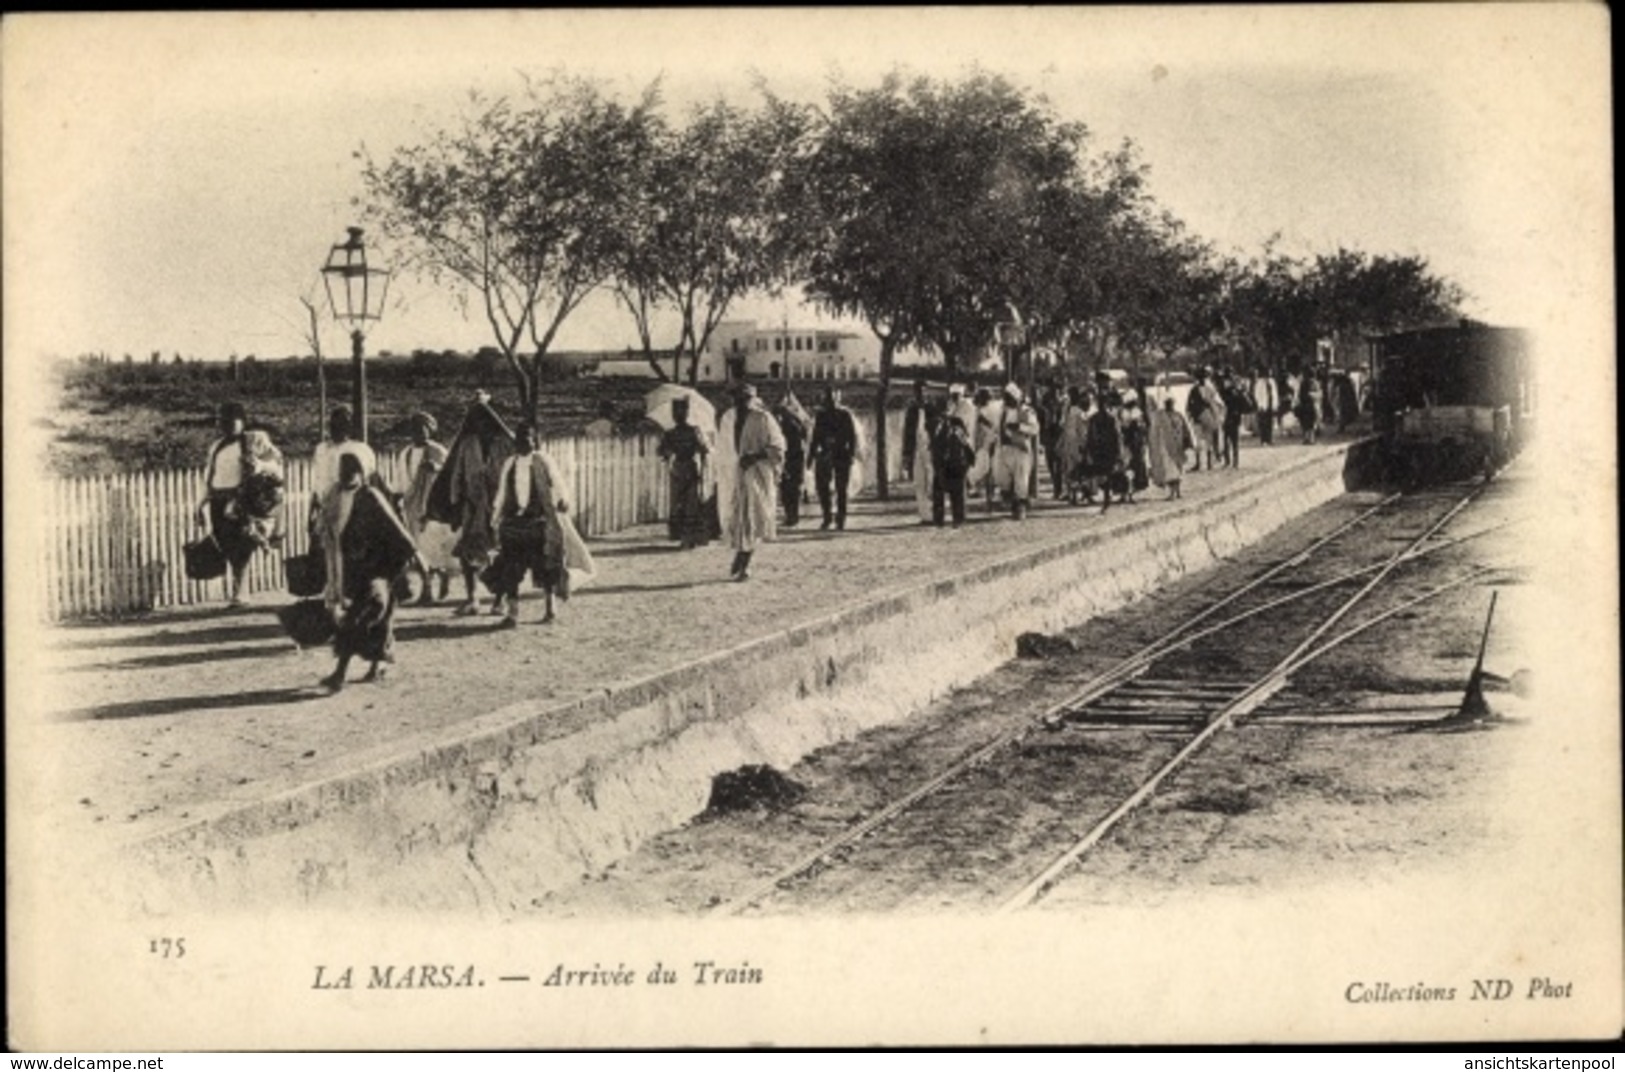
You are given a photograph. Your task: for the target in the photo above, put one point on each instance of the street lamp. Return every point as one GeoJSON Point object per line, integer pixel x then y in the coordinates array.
{"type": "Point", "coordinates": [356, 293]}
{"type": "Point", "coordinates": [1011, 336]}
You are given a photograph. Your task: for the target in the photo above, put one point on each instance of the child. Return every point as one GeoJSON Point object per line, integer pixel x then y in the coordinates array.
{"type": "Point", "coordinates": [260, 497]}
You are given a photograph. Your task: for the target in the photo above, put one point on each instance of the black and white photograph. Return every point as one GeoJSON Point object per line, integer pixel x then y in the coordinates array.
{"type": "Point", "coordinates": [811, 527]}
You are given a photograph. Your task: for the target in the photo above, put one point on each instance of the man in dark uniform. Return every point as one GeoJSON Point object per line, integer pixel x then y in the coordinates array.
{"type": "Point", "coordinates": [795, 460]}
{"type": "Point", "coordinates": [834, 445]}
{"type": "Point", "coordinates": [1051, 417]}
{"type": "Point", "coordinates": [951, 456]}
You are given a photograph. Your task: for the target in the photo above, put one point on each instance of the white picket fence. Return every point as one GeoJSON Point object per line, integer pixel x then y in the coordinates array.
{"type": "Point", "coordinates": [111, 545]}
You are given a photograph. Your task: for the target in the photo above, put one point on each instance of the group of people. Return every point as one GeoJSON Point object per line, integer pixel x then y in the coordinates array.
{"type": "Point", "coordinates": [1098, 442]}
{"type": "Point", "coordinates": [732, 481]}
{"type": "Point", "coordinates": [493, 506]}
{"type": "Point", "coordinates": [1221, 401]}
{"type": "Point", "coordinates": [1316, 398]}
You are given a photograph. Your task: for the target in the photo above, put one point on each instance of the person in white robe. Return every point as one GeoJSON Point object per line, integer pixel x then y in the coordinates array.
{"type": "Point", "coordinates": [989, 410]}
{"type": "Point", "coordinates": [418, 467]}
{"type": "Point", "coordinates": [1016, 444]}
{"type": "Point", "coordinates": [918, 422]}
{"type": "Point", "coordinates": [1074, 437]}
{"type": "Point", "coordinates": [1267, 404]}
{"type": "Point", "coordinates": [750, 453]}
{"type": "Point", "coordinates": [327, 514]}
{"type": "Point", "coordinates": [1169, 436]}
{"type": "Point", "coordinates": [531, 517]}
{"type": "Point", "coordinates": [1205, 410]}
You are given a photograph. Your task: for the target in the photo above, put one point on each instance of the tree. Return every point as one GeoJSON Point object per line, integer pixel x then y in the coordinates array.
{"type": "Point", "coordinates": [636, 279]}
{"type": "Point", "coordinates": [1282, 306]}
{"type": "Point", "coordinates": [1170, 290]}
{"type": "Point", "coordinates": [921, 198]}
{"type": "Point", "coordinates": [711, 219]}
{"type": "Point", "coordinates": [1357, 294]}
{"type": "Point", "coordinates": [1269, 308]}
{"type": "Point", "coordinates": [521, 206]}
{"type": "Point", "coordinates": [1108, 270]}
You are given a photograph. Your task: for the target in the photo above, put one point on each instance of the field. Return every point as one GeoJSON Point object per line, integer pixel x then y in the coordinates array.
{"type": "Point", "coordinates": [120, 418]}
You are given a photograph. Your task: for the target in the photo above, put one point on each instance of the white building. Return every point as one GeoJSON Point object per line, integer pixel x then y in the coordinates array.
{"type": "Point", "coordinates": [728, 348]}
{"type": "Point", "coordinates": [813, 354]}
{"type": "Point", "coordinates": [740, 347]}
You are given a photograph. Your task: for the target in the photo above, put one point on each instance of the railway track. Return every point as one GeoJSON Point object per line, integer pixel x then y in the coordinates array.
{"type": "Point", "coordinates": [1168, 687]}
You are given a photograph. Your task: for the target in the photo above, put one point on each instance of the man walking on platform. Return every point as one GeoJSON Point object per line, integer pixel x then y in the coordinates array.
{"type": "Point", "coordinates": [1238, 402]}
{"type": "Point", "coordinates": [1204, 410]}
{"type": "Point", "coordinates": [1308, 403]}
{"type": "Point", "coordinates": [1013, 457]}
{"type": "Point", "coordinates": [1051, 424]}
{"type": "Point", "coordinates": [834, 445]}
{"type": "Point", "coordinates": [418, 468]}
{"type": "Point", "coordinates": [1266, 404]}
{"type": "Point", "coordinates": [464, 490]}
{"type": "Point", "coordinates": [951, 458]}
{"type": "Point", "coordinates": [918, 421]}
{"type": "Point", "coordinates": [789, 414]}
{"type": "Point", "coordinates": [751, 447]}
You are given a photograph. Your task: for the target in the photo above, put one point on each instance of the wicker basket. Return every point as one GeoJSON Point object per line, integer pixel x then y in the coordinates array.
{"type": "Point", "coordinates": [306, 574]}
{"type": "Point", "coordinates": [204, 559]}
{"type": "Point", "coordinates": [308, 622]}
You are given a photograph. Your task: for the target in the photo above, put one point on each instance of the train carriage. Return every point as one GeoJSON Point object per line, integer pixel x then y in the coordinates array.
{"type": "Point", "coordinates": [1452, 401]}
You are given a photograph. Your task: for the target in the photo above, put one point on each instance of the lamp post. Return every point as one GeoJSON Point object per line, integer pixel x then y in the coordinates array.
{"type": "Point", "coordinates": [356, 293]}
{"type": "Point", "coordinates": [1011, 335]}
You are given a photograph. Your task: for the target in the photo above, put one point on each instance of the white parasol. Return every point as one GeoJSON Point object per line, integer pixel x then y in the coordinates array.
{"type": "Point", "coordinates": [701, 414]}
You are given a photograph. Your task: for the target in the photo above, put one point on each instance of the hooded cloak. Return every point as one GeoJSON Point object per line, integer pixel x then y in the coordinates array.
{"type": "Point", "coordinates": [465, 489]}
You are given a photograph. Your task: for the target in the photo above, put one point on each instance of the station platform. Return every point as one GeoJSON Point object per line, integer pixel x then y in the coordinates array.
{"type": "Point", "coordinates": [194, 754]}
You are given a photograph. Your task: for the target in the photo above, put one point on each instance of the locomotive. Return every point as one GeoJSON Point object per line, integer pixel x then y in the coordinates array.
{"type": "Point", "coordinates": [1452, 402]}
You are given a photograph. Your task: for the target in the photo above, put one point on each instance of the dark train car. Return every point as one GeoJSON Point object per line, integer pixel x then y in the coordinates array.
{"type": "Point", "coordinates": [1452, 401]}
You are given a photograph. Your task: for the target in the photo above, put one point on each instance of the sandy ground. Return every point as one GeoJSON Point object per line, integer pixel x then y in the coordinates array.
{"type": "Point", "coordinates": [134, 728]}
{"type": "Point", "coordinates": [1265, 804]}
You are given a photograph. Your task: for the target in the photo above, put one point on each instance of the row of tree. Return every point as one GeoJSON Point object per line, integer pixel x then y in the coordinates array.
{"type": "Point", "coordinates": [934, 211]}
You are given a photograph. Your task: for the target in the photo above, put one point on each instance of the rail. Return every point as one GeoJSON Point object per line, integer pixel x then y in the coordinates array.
{"type": "Point", "coordinates": [1123, 670]}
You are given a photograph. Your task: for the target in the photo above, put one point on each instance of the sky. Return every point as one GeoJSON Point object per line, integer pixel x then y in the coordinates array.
{"type": "Point", "coordinates": [173, 182]}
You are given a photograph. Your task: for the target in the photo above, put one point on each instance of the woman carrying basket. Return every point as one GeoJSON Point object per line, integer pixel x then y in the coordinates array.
{"type": "Point", "coordinates": [242, 493]}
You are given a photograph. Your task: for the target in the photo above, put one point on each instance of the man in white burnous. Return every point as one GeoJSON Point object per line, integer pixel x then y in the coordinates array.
{"type": "Point", "coordinates": [750, 453]}
{"type": "Point", "coordinates": [1013, 454]}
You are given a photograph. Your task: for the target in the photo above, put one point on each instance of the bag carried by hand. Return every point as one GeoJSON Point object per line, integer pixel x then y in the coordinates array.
{"type": "Point", "coordinates": [204, 559]}
{"type": "Point", "coordinates": [306, 573]}
{"type": "Point", "coordinates": [308, 622]}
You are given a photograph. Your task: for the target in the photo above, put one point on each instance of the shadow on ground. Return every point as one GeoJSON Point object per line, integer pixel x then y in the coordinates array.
{"type": "Point", "coordinates": [180, 705]}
